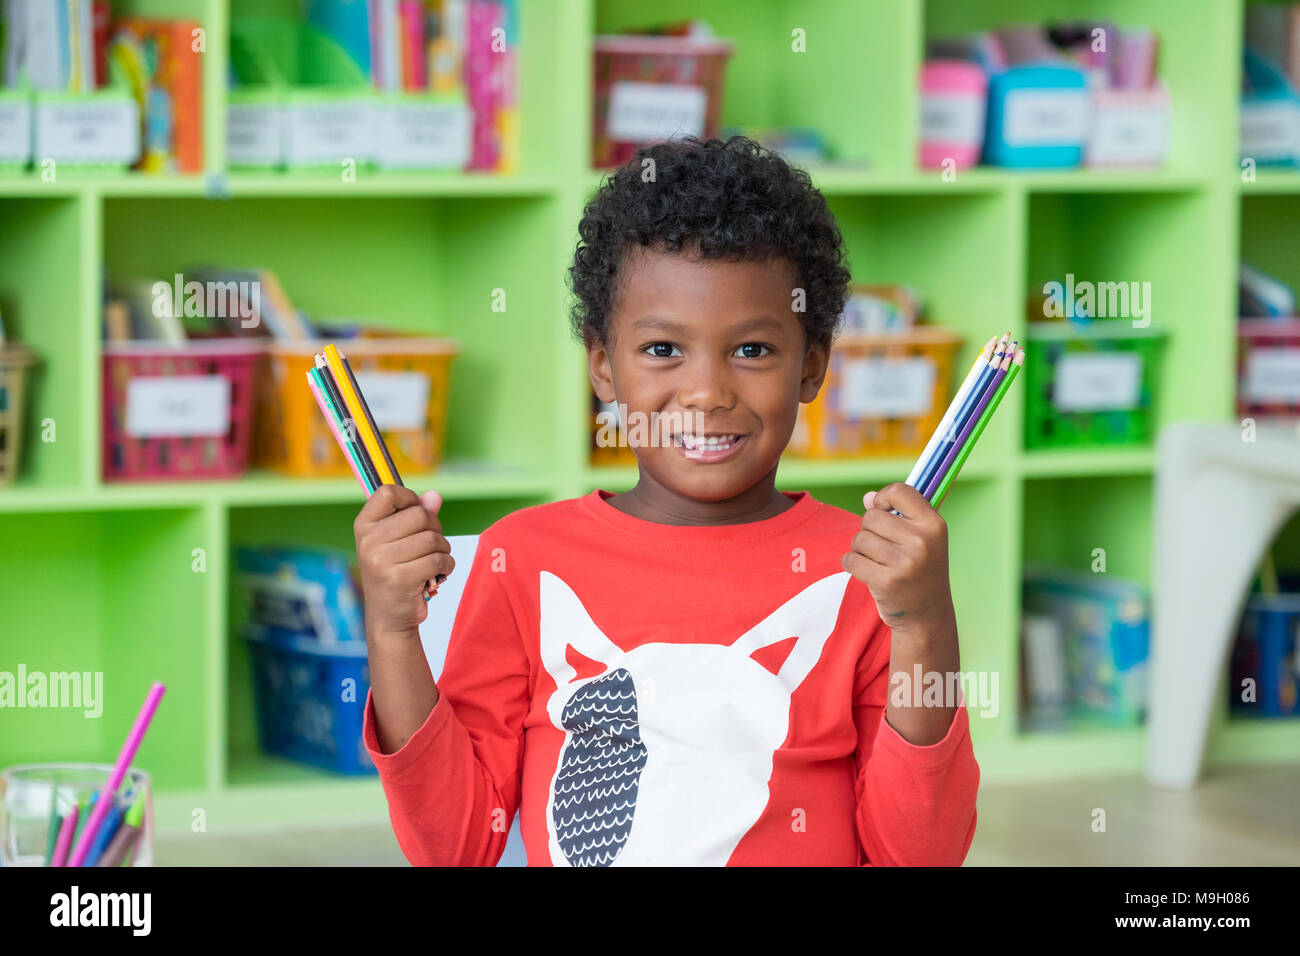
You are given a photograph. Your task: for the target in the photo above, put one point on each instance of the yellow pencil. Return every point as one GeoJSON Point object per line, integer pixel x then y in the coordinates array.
{"type": "Point", "coordinates": [368, 437]}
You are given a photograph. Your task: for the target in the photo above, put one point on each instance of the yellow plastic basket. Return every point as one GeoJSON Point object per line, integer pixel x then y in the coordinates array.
{"type": "Point", "coordinates": [883, 395]}
{"type": "Point", "coordinates": [292, 436]}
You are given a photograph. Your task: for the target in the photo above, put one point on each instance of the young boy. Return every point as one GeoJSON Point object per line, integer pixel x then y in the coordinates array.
{"type": "Point", "coordinates": [695, 671]}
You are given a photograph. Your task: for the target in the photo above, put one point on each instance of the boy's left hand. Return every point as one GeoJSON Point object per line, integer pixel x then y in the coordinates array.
{"type": "Point", "coordinates": [903, 558]}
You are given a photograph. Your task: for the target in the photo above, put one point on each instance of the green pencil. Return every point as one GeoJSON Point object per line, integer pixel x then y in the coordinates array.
{"type": "Point", "coordinates": [937, 498]}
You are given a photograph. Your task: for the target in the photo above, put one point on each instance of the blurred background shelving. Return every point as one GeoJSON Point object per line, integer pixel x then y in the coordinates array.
{"type": "Point", "coordinates": [96, 571]}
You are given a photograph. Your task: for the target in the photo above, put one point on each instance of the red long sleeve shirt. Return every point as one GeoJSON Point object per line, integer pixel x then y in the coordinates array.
{"type": "Point", "coordinates": [650, 694]}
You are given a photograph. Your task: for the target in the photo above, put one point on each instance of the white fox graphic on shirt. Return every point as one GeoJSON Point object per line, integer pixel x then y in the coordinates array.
{"type": "Point", "coordinates": [668, 753]}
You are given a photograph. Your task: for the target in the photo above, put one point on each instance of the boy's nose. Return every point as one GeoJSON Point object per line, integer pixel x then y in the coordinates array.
{"type": "Point", "coordinates": [707, 387]}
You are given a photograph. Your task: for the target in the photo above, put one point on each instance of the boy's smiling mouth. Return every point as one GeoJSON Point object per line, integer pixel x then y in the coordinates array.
{"type": "Point", "coordinates": [708, 446]}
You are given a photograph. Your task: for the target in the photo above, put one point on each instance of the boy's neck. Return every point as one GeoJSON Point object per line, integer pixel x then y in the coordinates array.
{"type": "Point", "coordinates": [650, 501]}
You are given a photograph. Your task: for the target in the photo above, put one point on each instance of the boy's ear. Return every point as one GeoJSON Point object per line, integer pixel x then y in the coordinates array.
{"type": "Point", "coordinates": [815, 364]}
{"type": "Point", "coordinates": [600, 372]}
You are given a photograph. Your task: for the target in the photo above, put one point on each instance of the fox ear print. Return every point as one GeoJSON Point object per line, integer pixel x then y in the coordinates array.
{"type": "Point", "coordinates": [583, 666]}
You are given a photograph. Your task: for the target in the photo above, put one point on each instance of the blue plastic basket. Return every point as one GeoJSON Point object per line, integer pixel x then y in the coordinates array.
{"type": "Point", "coordinates": [310, 701]}
{"type": "Point", "coordinates": [1267, 652]}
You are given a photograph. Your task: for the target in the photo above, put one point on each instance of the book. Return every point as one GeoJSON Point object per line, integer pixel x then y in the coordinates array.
{"type": "Point", "coordinates": [164, 73]}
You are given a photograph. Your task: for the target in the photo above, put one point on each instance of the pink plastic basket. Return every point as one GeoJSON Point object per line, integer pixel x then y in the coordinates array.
{"type": "Point", "coordinates": [683, 67]}
{"type": "Point", "coordinates": [1268, 368]}
{"type": "Point", "coordinates": [163, 457]}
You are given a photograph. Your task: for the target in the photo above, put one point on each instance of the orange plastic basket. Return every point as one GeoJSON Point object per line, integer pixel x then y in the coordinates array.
{"type": "Point", "coordinates": [293, 437]}
{"type": "Point", "coordinates": [883, 395]}
{"type": "Point", "coordinates": [602, 428]}
{"type": "Point", "coordinates": [14, 363]}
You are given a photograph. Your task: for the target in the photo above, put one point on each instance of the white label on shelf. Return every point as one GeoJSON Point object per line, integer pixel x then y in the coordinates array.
{"type": "Point", "coordinates": [15, 131]}
{"type": "Point", "coordinates": [1270, 129]}
{"type": "Point", "coordinates": [424, 135]}
{"type": "Point", "coordinates": [181, 405]}
{"type": "Point", "coordinates": [321, 133]}
{"type": "Point", "coordinates": [1039, 117]}
{"type": "Point", "coordinates": [87, 131]}
{"type": "Point", "coordinates": [253, 134]}
{"type": "Point", "coordinates": [1128, 134]}
{"type": "Point", "coordinates": [649, 111]}
{"type": "Point", "coordinates": [1273, 375]}
{"type": "Point", "coordinates": [887, 387]}
{"type": "Point", "coordinates": [952, 118]}
{"type": "Point", "coordinates": [1097, 382]}
{"type": "Point", "coordinates": [396, 399]}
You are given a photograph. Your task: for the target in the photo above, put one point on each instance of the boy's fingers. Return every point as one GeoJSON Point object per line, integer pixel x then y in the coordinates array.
{"type": "Point", "coordinates": [427, 567]}
{"type": "Point", "coordinates": [431, 501]}
{"type": "Point", "coordinates": [386, 500]}
{"type": "Point", "coordinates": [901, 497]}
{"type": "Point", "coordinates": [410, 520]}
{"type": "Point", "coordinates": [415, 546]}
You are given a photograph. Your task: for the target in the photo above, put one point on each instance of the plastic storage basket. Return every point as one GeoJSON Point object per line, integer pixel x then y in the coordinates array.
{"type": "Point", "coordinates": [883, 395]}
{"type": "Point", "coordinates": [405, 381]}
{"type": "Point", "coordinates": [651, 88]}
{"type": "Point", "coordinates": [609, 442]}
{"type": "Point", "coordinates": [1267, 652]}
{"type": "Point", "coordinates": [14, 365]}
{"type": "Point", "coordinates": [1091, 384]}
{"type": "Point", "coordinates": [302, 712]}
{"type": "Point", "coordinates": [1268, 368]}
{"type": "Point", "coordinates": [178, 412]}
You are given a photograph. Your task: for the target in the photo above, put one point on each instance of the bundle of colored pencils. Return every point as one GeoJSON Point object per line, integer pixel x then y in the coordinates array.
{"type": "Point", "coordinates": [339, 396]}
{"type": "Point", "coordinates": [964, 422]}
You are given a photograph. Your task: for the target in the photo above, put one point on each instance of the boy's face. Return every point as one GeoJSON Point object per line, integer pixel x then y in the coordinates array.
{"type": "Point", "coordinates": [706, 348]}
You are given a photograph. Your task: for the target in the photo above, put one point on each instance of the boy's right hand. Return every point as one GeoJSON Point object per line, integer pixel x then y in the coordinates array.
{"type": "Point", "coordinates": [399, 547]}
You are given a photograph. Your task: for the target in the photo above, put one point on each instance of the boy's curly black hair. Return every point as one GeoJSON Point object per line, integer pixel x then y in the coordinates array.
{"type": "Point", "coordinates": [733, 200]}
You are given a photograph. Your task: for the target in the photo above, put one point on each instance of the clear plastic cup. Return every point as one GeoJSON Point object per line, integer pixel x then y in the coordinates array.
{"type": "Point", "coordinates": [27, 795]}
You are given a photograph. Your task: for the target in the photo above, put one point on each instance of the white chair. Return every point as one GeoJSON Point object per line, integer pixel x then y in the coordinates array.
{"type": "Point", "coordinates": [435, 632]}
{"type": "Point", "coordinates": [1219, 501]}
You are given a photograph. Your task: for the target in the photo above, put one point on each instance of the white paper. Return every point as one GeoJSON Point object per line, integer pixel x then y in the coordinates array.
{"type": "Point", "coordinates": [1045, 118]}
{"type": "Point", "coordinates": [1273, 375]}
{"type": "Point", "coordinates": [1128, 134]}
{"type": "Point", "coordinates": [321, 133]}
{"type": "Point", "coordinates": [253, 134]}
{"type": "Point", "coordinates": [650, 111]}
{"type": "Point", "coordinates": [1097, 382]}
{"type": "Point", "coordinates": [952, 118]}
{"type": "Point", "coordinates": [887, 387]}
{"type": "Point", "coordinates": [176, 406]}
{"type": "Point", "coordinates": [396, 399]}
{"type": "Point", "coordinates": [88, 131]}
{"type": "Point", "coordinates": [15, 130]}
{"type": "Point", "coordinates": [423, 135]}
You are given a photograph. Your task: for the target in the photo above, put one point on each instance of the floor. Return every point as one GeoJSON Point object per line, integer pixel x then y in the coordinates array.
{"type": "Point", "coordinates": [1244, 816]}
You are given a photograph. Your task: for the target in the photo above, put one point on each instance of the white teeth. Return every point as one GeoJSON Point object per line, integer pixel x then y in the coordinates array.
{"type": "Point", "coordinates": [712, 442]}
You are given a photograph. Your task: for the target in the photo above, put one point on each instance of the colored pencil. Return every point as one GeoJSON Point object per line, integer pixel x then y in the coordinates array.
{"type": "Point", "coordinates": [349, 452]}
{"type": "Point", "coordinates": [65, 836]}
{"type": "Point", "coordinates": [986, 373]}
{"type": "Point", "coordinates": [122, 841]}
{"type": "Point", "coordinates": [129, 747]}
{"type": "Point", "coordinates": [946, 421]}
{"type": "Point", "coordinates": [970, 422]}
{"type": "Point", "coordinates": [370, 420]}
{"type": "Point", "coordinates": [357, 413]}
{"type": "Point", "coordinates": [937, 498]}
{"type": "Point", "coordinates": [347, 424]}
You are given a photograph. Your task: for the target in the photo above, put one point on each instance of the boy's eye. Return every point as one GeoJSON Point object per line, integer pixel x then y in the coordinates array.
{"type": "Point", "coordinates": [668, 348]}
{"type": "Point", "coordinates": [750, 350]}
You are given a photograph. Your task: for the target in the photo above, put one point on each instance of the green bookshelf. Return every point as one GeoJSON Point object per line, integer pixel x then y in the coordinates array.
{"type": "Point", "coordinates": [134, 579]}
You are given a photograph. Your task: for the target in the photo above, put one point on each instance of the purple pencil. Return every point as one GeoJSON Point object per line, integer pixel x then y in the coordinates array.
{"type": "Point", "coordinates": [969, 427]}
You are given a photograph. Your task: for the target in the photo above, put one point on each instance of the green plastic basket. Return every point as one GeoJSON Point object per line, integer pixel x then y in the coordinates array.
{"type": "Point", "coordinates": [1091, 384]}
{"type": "Point", "coordinates": [288, 65]}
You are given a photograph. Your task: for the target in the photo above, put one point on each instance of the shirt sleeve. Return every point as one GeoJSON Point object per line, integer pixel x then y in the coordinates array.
{"type": "Point", "coordinates": [915, 805]}
{"type": "Point", "coordinates": [453, 787]}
